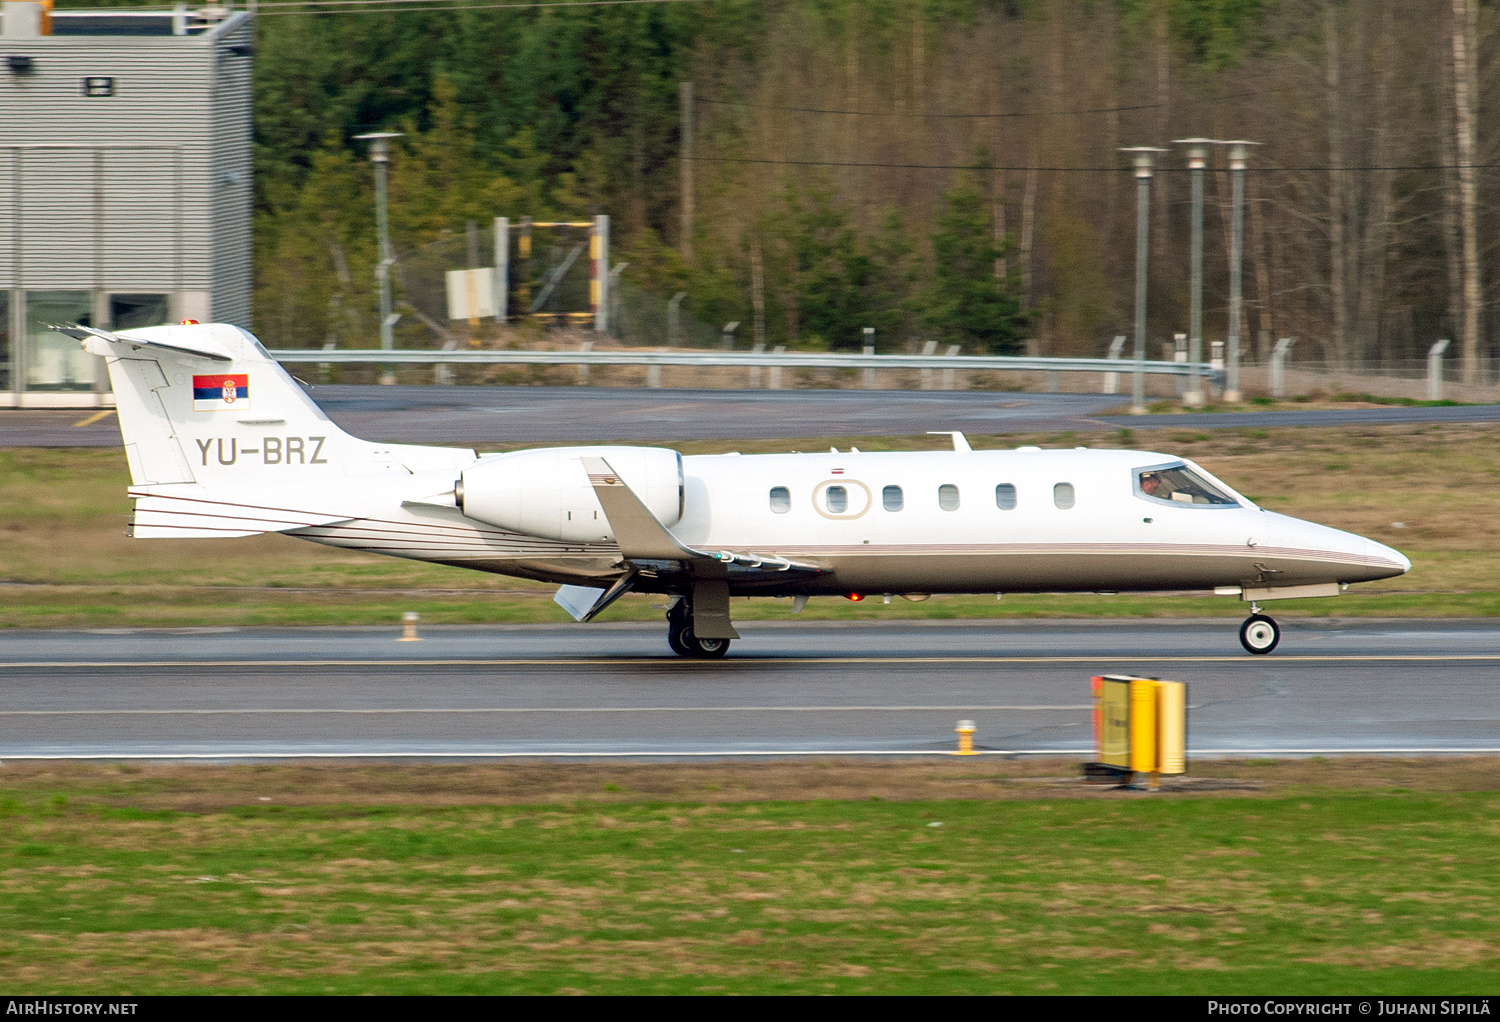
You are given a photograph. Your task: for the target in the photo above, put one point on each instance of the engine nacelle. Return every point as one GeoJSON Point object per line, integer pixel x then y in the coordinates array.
{"type": "Point", "coordinates": [547, 493]}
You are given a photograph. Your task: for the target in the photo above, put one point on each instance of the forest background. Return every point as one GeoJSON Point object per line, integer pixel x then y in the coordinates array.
{"type": "Point", "coordinates": [937, 169]}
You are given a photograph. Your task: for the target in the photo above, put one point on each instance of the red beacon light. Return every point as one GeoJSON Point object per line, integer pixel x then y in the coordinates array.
{"type": "Point", "coordinates": [188, 322]}
{"type": "Point", "coordinates": [856, 597]}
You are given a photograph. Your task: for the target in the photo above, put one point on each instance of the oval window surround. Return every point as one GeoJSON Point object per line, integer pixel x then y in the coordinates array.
{"type": "Point", "coordinates": [857, 494]}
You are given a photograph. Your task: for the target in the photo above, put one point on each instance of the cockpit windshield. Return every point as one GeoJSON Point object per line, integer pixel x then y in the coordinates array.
{"type": "Point", "coordinates": [1178, 484]}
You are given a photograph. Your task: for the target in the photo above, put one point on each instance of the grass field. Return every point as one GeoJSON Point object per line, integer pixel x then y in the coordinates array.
{"type": "Point", "coordinates": [1432, 491]}
{"type": "Point", "coordinates": [1354, 877]}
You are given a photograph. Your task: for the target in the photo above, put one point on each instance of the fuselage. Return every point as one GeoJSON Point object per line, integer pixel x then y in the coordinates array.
{"type": "Point", "coordinates": [1007, 521]}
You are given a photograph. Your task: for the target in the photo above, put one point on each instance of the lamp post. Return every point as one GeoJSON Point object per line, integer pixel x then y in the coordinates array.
{"type": "Point", "coordinates": [1145, 157]}
{"type": "Point", "coordinates": [1237, 160]}
{"type": "Point", "coordinates": [1197, 162]}
{"type": "Point", "coordinates": [380, 156]}
{"type": "Point", "coordinates": [1238, 157]}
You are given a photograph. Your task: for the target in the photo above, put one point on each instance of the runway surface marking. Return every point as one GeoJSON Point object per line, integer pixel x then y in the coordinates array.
{"type": "Point", "coordinates": [523, 709]}
{"type": "Point", "coordinates": [651, 661]}
{"type": "Point", "coordinates": [93, 418]}
{"type": "Point", "coordinates": [733, 754]}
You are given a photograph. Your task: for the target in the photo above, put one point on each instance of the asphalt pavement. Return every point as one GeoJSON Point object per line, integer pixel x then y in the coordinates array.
{"type": "Point", "coordinates": [525, 415]}
{"type": "Point", "coordinates": [787, 688]}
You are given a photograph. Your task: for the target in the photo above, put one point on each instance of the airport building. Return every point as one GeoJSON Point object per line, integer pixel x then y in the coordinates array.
{"type": "Point", "coordinates": [125, 182]}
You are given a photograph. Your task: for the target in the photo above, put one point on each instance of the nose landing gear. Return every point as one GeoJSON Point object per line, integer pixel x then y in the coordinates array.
{"type": "Point", "coordinates": [681, 638]}
{"type": "Point", "coordinates": [1259, 633]}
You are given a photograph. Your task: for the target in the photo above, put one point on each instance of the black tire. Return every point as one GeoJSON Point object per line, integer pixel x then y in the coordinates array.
{"type": "Point", "coordinates": [1259, 634]}
{"type": "Point", "coordinates": [707, 649]}
{"type": "Point", "coordinates": [679, 629]}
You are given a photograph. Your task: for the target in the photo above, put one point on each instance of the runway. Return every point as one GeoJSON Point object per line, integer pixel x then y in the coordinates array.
{"type": "Point", "coordinates": [786, 689]}
{"type": "Point", "coordinates": [524, 415]}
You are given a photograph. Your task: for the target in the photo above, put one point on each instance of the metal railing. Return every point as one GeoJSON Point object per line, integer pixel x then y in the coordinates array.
{"type": "Point", "coordinates": [774, 360]}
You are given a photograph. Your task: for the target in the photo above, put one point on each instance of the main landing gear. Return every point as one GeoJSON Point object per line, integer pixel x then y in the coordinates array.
{"type": "Point", "coordinates": [1259, 633]}
{"type": "Point", "coordinates": [681, 638]}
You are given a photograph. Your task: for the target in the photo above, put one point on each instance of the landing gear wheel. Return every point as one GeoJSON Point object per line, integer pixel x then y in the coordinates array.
{"type": "Point", "coordinates": [706, 649]}
{"type": "Point", "coordinates": [682, 640]}
{"type": "Point", "coordinates": [685, 643]}
{"type": "Point", "coordinates": [1259, 634]}
{"type": "Point", "coordinates": [679, 627]}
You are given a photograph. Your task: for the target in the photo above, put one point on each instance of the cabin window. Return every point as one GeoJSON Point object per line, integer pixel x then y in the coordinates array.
{"type": "Point", "coordinates": [891, 498]}
{"type": "Point", "coordinates": [1178, 484]}
{"type": "Point", "coordinates": [948, 497]}
{"type": "Point", "coordinates": [1062, 495]}
{"type": "Point", "coordinates": [781, 499]}
{"type": "Point", "coordinates": [837, 499]}
{"type": "Point", "coordinates": [1005, 496]}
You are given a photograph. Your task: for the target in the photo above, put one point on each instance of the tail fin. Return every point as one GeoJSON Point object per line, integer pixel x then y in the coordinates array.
{"type": "Point", "coordinates": [205, 413]}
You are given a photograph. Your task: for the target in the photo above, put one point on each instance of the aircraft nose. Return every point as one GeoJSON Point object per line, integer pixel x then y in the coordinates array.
{"type": "Point", "coordinates": [1379, 552]}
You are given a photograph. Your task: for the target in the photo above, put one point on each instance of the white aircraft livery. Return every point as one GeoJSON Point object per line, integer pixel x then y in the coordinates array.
{"type": "Point", "coordinates": [222, 442]}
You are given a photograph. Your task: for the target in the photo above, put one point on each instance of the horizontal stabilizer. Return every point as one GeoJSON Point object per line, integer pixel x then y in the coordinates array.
{"type": "Point", "coordinates": [200, 347]}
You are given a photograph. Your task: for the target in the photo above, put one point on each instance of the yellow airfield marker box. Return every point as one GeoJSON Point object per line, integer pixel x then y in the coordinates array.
{"type": "Point", "coordinates": [1140, 724]}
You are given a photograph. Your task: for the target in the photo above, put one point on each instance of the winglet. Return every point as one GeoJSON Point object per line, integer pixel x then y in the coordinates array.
{"type": "Point", "coordinates": [640, 535]}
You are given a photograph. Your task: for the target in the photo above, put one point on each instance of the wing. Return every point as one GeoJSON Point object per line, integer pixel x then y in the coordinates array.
{"type": "Point", "coordinates": [653, 550]}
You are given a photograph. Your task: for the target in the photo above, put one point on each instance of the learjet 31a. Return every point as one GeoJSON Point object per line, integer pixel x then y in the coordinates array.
{"type": "Point", "coordinates": [222, 442]}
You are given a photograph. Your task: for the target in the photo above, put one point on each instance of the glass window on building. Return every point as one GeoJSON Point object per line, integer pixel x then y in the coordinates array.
{"type": "Point", "coordinates": [127, 312]}
{"type": "Point", "coordinates": [5, 340]}
{"type": "Point", "coordinates": [55, 361]}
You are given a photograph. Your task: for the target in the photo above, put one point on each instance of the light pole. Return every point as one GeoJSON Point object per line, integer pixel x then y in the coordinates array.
{"type": "Point", "coordinates": [1197, 161]}
{"type": "Point", "coordinates": [380, 156]}
{"type": "Point", "coordinates": [1237, 159]}
{"type": "Point", "coordinates": [1145, 157]}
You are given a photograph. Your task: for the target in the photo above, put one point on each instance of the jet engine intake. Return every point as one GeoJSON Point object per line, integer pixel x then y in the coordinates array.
{"type": "Point", "coordinates": [547, 492]}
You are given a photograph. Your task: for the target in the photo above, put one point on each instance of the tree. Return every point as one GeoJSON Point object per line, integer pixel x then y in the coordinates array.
{"type": "Point", "coordinates": [967, 303]}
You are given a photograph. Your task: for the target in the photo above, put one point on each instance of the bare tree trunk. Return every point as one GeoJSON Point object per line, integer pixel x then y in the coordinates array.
{"type": "Point", "coordinates": [997, 176]}
{"type": "Point", "coordinates": [918, 54]}
{"type": "Point", "coordinates": [1466, 109]}
{"type": "Point", "coordinates": [1263, 305]}
{"type": "Point", "coordinates": [1160, 201]}
{"type": "Point", "coordinates": [1336, 186]}
{"type": "Point", "coordinates": [757, 290]}
{"type": "Point", "coordinates": [1375, 237]}
{"type": "Point", "coordinates": [1028, 229]}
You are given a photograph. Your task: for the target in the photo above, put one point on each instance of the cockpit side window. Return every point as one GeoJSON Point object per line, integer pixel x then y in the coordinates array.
{"type": "Point", "coordinates": [1178, 484]}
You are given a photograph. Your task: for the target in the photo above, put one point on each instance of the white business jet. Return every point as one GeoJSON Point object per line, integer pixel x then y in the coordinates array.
{"type": "Point", "coordinates": [222, 442]}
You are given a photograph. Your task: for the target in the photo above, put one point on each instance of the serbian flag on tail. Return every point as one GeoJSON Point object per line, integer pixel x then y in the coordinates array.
{"type": "Point", "coordinates": [221, 391]}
